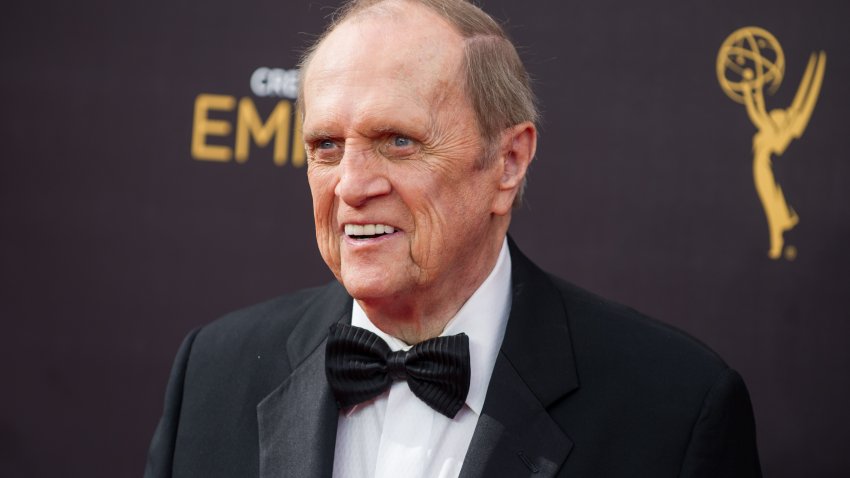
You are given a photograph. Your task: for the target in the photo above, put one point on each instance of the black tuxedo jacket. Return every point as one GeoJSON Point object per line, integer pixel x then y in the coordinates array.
{"type": "Point", "coordinates": [581, 388]}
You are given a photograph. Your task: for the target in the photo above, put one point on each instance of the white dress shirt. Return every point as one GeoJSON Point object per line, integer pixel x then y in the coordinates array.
{"type": "Point", "coordinates": [398, 435]}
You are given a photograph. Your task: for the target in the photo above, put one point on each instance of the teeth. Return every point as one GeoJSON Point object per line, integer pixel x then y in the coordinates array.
{"type": "Point", "coordinates": [368, 229]}
{"type": "Point", "coordinates": [353, 230]}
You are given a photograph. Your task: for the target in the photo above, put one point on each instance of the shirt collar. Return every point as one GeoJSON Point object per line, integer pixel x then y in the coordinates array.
{"type": "Point", "coordinates": [483, 318]}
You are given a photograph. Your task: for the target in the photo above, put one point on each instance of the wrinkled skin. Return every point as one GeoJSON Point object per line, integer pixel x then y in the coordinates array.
{"type": "Point", "coordinates": [392, 139]}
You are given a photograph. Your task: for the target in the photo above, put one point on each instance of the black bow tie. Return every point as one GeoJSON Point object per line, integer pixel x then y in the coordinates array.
{"type": "Point", "coordinates": [360, 366]}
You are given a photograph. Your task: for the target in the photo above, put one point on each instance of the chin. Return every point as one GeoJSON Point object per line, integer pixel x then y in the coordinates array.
{"type": "Point", "coordinates": [365, 286]}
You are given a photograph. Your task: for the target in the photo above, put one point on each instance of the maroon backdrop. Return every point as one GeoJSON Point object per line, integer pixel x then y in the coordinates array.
{"type": "Point", "coordinates": [137, 201]}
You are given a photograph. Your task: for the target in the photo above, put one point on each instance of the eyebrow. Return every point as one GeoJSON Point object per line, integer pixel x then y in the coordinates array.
{"type": "Point", "coordinates": [383, 130]}
{"type": "Point", "coordinates": [387, 129]}
{"type": "Point", "coordinates": [369, 131]}
{"type": "Point", "coordinates": [316, 135]}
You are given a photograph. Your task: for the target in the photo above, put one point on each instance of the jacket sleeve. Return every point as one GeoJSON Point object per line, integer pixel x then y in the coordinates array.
{"type": "Point", "coordinates": [723, 440]}
{"type": "Point", "coordinates": [161, 452]}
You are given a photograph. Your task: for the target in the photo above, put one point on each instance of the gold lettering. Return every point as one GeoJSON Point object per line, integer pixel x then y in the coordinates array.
{"type": "Point", "coordinates": [298, 152]}
{"type": "Point", "coordinates": [249, 125]}
{"type": "Point", "coordinates": [203, 126]}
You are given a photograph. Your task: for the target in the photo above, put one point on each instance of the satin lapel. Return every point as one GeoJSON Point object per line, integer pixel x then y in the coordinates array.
{"type": "Point", "coordinates": [515, 435]}
{"type": "Point", "coordinates": [298, 420]}
{"type": "Point", "coordinates": [297, 424]}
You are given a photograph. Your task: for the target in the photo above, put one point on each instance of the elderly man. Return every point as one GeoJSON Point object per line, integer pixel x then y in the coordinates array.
{"type": "Point", "coordinates": [441, 351]}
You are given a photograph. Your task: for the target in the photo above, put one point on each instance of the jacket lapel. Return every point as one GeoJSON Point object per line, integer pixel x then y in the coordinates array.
{"type": "Point", "coordinates": [303, 402]}
{"type": "Point", "coordinates": [515, 435]}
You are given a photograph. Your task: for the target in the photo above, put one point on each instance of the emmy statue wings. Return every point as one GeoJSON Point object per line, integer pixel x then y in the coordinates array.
{"type": "Point", "coordinates": [581, 387]}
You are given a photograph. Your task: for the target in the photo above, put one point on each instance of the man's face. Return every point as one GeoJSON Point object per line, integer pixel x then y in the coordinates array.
{"type": "Point", "coordinates": [393, 142]}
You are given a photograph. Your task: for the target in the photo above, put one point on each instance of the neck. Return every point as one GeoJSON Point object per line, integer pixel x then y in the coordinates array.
{"type": "Point", "coordinates": [424, 314]}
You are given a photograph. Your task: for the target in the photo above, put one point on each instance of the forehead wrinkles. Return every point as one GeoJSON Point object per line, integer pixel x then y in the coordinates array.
{"type": "Point", "coordinates": [368, 69]}
{"type": "Point", "coordinates": [400, 42]}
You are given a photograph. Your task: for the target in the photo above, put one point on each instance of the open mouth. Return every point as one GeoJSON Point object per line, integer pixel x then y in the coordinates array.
{"type": "Point", "coordinates": [367, 231]}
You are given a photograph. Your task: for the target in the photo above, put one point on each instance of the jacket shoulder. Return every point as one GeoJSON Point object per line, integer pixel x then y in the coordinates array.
{"type": "Point", "coordinates": [650, 397]}
{"type": "Point", "coordinates": [262, 333]}
{"type": "Point", "coordinates": [282, 312]}
{"type": "Point", "coordinates": [229, 367]}
{"type": "Point", "coordinates": [615, 337]}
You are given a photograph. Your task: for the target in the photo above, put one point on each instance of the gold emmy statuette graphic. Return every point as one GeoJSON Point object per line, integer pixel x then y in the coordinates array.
{"type": "Point", "coordinates": [750, 61]}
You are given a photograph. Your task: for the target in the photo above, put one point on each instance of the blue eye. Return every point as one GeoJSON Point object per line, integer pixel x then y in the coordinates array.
{"type": "Point", "coordinates": [325, 144]}
{"type": "Point", "coordinates": [401, 141]}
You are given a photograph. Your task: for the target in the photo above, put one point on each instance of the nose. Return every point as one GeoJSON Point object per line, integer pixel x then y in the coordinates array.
{"type": "Point", "coordinates": [362, 177]}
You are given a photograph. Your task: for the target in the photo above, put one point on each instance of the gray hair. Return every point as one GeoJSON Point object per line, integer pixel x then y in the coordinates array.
{"type": "Point", "coordinates": [496, 82]}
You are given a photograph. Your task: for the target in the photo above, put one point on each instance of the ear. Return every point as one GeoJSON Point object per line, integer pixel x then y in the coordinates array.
{"type": "Point", "coordinates": [516, 151]}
